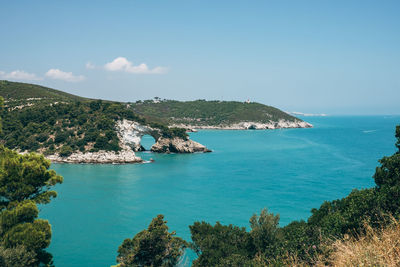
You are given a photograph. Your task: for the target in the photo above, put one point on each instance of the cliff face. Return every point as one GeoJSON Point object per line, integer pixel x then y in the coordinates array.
{"type": "Point", "coordinates": [130, 134]}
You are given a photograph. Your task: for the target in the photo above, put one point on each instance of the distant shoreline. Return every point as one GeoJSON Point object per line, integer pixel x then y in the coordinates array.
{"type": "Point", "coordinates": [247, 126]}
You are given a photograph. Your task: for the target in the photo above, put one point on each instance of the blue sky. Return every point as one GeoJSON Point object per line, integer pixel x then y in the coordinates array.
{"type": "Point", "coordinates": [335, 57]}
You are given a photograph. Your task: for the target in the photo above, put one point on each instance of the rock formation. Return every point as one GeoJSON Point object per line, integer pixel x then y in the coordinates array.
{"type": "Point", "coordinates": [178, 145]}
{"type": "Point", "coordinates": [130, 134]}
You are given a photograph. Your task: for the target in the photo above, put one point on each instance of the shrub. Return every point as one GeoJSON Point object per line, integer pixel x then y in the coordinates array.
{"type": "Point", "coordinates": [42, 137]}
{"type": "Point", "coordinates": [101, 142]}
{"type": "Point", "coordinates": [60, 137]}
{"type": "Point", "coordinates": [66, 151]}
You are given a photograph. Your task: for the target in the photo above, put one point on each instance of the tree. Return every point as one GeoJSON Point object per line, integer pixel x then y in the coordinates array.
{"type": "Point", "coordinates": [25, 177]}
{"type": "Point", "coordinates": [1, 110]}
{"type": "Point", "coordinates": [25, 181]}
{"type": "Point", "coordinates": [398, 137]}
{"type": "Point", "coordinates": [265, 233]}
{"type": "Point", "coordinates": [101, 142]}
{"type": "Point", "coordinates": [215, 243]}
{"type": "Point", "coordinates": [66, 151]}
{"type": "Point", "coordinates": [269, 245]}
{"type": "Point", "coordinates": [154, 246]}
{"type": "Point", "coordinates": [17, 257]}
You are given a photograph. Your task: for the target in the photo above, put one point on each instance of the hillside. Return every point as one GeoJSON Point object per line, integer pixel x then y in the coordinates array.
{"type": "Point", "coordinates": [198, 113]}
{"type": "Point", "coordinates": [53, 122]}
{"type": "Point", "coordinates": [209, 113]}
{"type": "Point", "coordinates": [16, 94]}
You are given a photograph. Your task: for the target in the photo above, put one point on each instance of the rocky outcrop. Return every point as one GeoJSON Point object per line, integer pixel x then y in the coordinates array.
{"type": "Point", "coordinates": [248, 125]}
{"type": "Point", "coordinates": [120, 157]}
{"type": "Point", "coordinates": [130, 134]}
{"type": "Point", "coordinates": [178, 145]}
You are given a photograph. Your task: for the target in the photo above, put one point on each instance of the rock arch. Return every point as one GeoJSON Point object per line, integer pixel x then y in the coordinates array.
{"type": "Point", "coordinates": [130, 134]}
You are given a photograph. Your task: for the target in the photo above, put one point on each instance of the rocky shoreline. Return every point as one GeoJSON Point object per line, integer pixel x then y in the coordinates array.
{"type": "Point", "coordinates": [130, 134]}
{"type": "Point", "coordinates": [102, 157]}
{"type": "Point", "coordinates": [163, 145]}
{"type": "Point", "coordinates": [248, 125]}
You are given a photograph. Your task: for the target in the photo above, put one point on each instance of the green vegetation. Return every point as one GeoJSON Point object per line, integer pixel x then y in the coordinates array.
{"type": "Point", "coordinates": [308, 242]}
{"type": "Point", "coordinates": [65, 127]}
{"type": "Point", "coordinates": [152, 247]}
{"type": "Point", "coordinates": [25, 181]}
{"type": "Point", "coordinates": [201, 112]}
{"type": "Point", "coordinates": [17, 94]}
{"type": "Point", "coordinates": [48, 121]}
{"type": "Point", "coordinates": [63, 123]}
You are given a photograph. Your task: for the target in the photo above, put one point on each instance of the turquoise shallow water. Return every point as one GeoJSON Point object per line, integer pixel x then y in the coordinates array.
{"type": "Point", "coordinates": [289, 171]}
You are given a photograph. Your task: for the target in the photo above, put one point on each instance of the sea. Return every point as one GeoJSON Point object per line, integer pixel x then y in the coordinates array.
{"type": "Point", "coordinates": [287, 171]}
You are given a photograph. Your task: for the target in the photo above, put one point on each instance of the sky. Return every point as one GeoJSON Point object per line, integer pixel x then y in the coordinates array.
{"type": "Point", "coordinates": [312, 56]}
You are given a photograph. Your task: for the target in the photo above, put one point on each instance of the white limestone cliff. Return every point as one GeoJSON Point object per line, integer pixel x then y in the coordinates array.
{"type": "Point", "coordinates": [248, 125]}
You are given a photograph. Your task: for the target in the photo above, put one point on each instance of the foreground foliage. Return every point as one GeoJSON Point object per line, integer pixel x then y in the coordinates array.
{"type": "Point", "coordinates": [343, 232]}
{"type": "Point", "coordinates": [154, 246]}
{"type": "Point", "coordinates": [25, 181]}
{"type": "Point", "coordinates": [305, 240]}
{"type": "Point", "coordinates": [376, 247]}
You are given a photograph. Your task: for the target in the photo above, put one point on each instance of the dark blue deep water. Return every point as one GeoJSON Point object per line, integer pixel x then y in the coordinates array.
{"type": "Point", "coordinates": [288, 171]}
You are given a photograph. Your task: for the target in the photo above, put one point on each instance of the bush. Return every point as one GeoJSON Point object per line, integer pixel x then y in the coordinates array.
{"type": "Point", "coordinates": [66, 151]}
{"type": "Point", "coordinates": [154, 246]}
{"type": "Point", "coordinates": [61, 137]}
{"type": "Point", "coordinates": [101, 142]}
{"type": "Point", "coordinates": [42, 137]}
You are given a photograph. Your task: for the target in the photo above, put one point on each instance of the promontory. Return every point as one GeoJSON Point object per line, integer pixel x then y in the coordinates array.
{"type": "Point", "coordinates": [72, 129]}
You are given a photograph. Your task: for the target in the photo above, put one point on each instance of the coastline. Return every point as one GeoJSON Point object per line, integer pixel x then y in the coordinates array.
{"type": "Point", "coordinates": [100, 157]}
{"type": "Point", "coordinates": [164, 145]}
{"type": "Point", "coordinates": [248, 125]}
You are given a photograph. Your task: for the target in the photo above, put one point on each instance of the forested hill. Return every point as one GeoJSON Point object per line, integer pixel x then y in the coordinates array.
{"type": "Point", "coordinates": [15, 94]}
{"type": "Point", "coordinates": [38, 118]}
{"type": "Point", "coordinates": [202, 112]}
{"type": "Point", "coordinates": [45, 120]}
{"type": "Point", "coordinates": [194, 113]}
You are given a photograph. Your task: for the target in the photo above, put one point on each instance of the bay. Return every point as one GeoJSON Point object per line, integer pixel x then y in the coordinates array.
{"type": "Point", "coordinates": [289, 171]}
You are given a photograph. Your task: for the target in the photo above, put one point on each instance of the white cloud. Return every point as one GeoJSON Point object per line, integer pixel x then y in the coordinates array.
{"type": "Point", "coordinates": [124, 65]}
{"type": "Point", "coordinates": [19, 75]}
{"type": "Point", "coordinates": [62, 75]}
{"type": "Point", "coordinates": [90, 66]}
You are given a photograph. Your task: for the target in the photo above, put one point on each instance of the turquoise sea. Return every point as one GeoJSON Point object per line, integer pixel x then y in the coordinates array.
{"type": "Point", "coordinates": [288, 171]}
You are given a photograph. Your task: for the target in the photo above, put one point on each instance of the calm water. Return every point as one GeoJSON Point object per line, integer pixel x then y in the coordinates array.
{"type": "Point", "coordinates": [288, 171]}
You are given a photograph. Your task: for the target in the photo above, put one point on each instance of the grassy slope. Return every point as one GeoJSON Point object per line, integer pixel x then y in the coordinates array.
{"type": "Point", "coordinates": [15, 93]}
{"type": "Point", "coordinates": [202, 112]}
